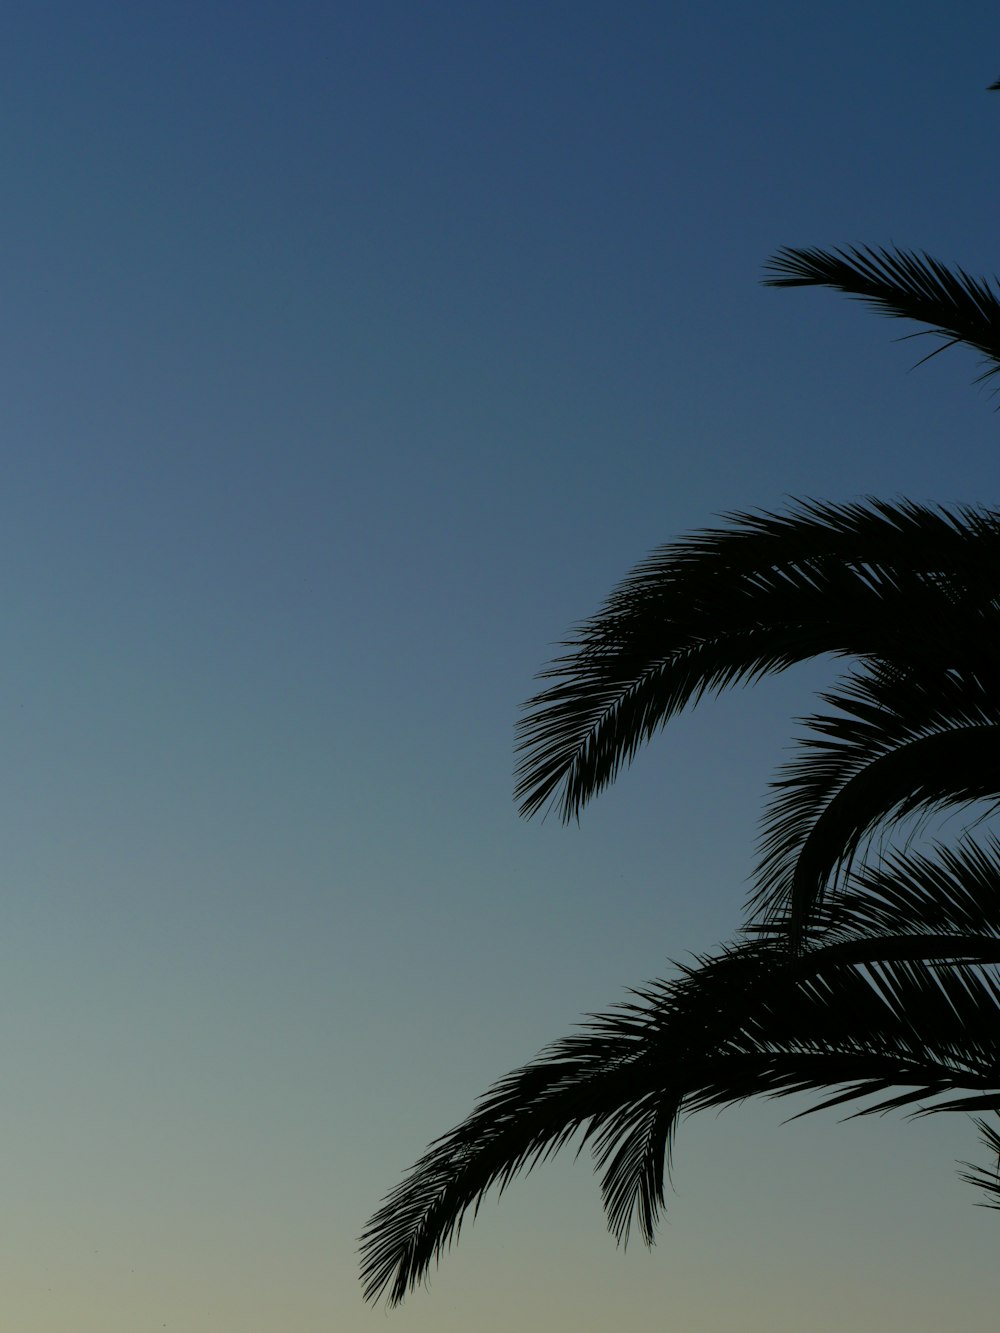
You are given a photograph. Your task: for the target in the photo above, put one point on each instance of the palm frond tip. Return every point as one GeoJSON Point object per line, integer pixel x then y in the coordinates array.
{"type": "Point", "coordinates": [953, 305]}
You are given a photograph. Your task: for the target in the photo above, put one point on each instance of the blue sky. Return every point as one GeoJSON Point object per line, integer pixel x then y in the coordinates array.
{"type": "Point", "coordinates": [351, 354]}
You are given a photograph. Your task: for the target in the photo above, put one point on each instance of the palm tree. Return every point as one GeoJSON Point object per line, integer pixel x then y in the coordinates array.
{"type": "Point", "coordinates": [892, 992]}
{"type": "Point", "coordinates": [855, 980]}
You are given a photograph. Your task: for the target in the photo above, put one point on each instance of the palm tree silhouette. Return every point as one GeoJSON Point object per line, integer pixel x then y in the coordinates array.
{"type": "Point", "coordinates": [859, 976]}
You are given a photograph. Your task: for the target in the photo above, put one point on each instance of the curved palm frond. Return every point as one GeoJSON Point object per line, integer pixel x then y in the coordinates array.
{"type": "Point", "coordinates": [956, 307]}
{"type": "Point", "coordinates": [895, 994]}
{"type": "Point", "coordinates": [723, 607]}
{"type": "Point", "coordinates": [899, 742]}
{"type": "Point", "coordinates": [953, 891]}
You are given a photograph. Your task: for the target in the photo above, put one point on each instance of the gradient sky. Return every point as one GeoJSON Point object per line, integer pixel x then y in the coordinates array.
{"type": "Point", "coordinates": [351, 353]}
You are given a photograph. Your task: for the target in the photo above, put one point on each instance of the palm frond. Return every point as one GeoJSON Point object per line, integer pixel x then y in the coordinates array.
{"type": "Point", "coordinates": [955, 306]}
{"type": "Point", "coordinates": [727, 606]}
{"type": "Point", "coordinates": [986, 1178]}
{"type": "Point", "coordinates": [951, 891]}
{"type": "Point", "coordinates": [900, 742]}
{"type": "Point", "coordinates": [869, 1010]}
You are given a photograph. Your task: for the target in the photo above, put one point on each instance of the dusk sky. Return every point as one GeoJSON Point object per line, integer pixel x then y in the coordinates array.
{"type": "Point", "coordinates": [352, 352]}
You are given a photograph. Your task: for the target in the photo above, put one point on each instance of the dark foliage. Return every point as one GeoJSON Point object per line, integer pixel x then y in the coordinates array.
{"type": "Point", "coordinates": [893, 1001]}
{"type": "Point", "coordinates": [865, 981]}
{"type": "Point", "coordinates": [956, 307]}
{"type": "Point", "coordinates": [913, 725]}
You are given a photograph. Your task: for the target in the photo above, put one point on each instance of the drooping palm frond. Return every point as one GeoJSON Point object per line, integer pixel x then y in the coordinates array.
{"type": "Point", "coordinates": [948, 891]}
{"type": "Point", "coordinates": [727, 606]}
{"type": "Point", "coordinates": [900, 741]}
{"type": "Point", "coordinates": [955, 306]}
{"type": "Point", "coordinates": [894, 994]}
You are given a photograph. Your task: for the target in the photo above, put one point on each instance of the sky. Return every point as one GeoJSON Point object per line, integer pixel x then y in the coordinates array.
{"type": "Point", "coordinates": [351, 353]}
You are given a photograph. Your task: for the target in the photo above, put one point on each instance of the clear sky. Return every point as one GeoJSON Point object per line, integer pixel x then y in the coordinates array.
{"type": "Point", "coordinates": [351, 353]}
